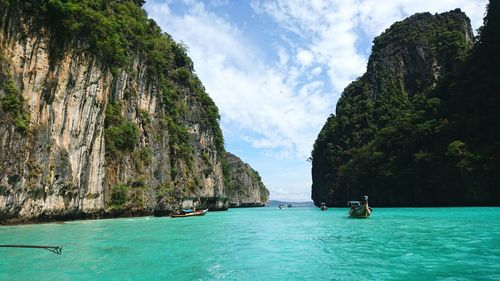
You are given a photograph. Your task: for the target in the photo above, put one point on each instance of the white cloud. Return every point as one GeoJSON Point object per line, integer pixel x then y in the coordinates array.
{"type": "Point", "coordinates": [328, 28]}
{"type": "Point", "coordinates": [316, 71]}
{"type": "Point", "coordinates": [378, 15]}
{"type": "Point", "coordinates": [283, 57]}
{"type": "Point", "coordinates": [283, 104]}
{"type": "Point", "coordinates": [250, 94]}
{"type": "Point", "coordinates": [331, 28]}
{"type": "Point", "coordinates": [305, 57]}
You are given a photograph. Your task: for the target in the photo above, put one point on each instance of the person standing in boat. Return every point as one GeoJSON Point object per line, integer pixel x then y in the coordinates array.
{"type": "Point", "coordinates": [365, 204]}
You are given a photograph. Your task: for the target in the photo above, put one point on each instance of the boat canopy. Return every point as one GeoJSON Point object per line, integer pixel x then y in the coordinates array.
{"type": "Point", "coordinates": [353, 203]}
{"type": "Point", "coordinates": [187, 210]}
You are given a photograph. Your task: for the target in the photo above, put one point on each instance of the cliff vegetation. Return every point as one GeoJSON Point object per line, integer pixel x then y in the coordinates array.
{"type": "Point", "coordinates": [246, 188]}
{"type": "Point", "coordinates": [103, 115]}
{"type": "Point", "coordinates": [420, 127]}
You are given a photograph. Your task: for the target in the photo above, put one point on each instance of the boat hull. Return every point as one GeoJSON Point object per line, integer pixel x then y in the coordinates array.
{"type": "Point", "coordinates": [193, 214]}
{"type": "Point", "coordinates": [360, 213]}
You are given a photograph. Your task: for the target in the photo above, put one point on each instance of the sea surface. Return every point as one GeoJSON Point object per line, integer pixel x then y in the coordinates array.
{"type": "Point", "coordinates": [264, 244]}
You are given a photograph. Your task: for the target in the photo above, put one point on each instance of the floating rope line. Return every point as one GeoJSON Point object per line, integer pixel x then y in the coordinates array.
{"type": "Point", "coordinates": [53, 249]}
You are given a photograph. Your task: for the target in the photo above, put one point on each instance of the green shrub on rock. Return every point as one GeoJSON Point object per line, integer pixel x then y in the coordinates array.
{"type": "Point", "coordinates": [118, 196]}
{"type": "Point", "coordinates": [13, 105]}
{"type": "Point", "coordinates": [120, 134]}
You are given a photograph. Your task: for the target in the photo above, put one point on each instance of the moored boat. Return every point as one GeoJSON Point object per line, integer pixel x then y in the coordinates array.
{"type": "Point", "coordinates": [189, 213]}
{"type": "Point", "coordinates": [323, 206]}
{"type": "Point", "coordinates": [358, 210]}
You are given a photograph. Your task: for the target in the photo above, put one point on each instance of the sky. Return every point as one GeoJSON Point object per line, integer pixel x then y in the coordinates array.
{"type": "Point", "coordinates": [276, 68]}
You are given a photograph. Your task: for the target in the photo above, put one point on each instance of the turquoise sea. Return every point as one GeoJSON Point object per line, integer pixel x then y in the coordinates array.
{"type": "Point", "coordinates": [264, 244]}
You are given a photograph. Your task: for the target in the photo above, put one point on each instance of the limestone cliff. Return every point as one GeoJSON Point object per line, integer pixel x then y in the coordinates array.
{"type": "Point", "coordinates": [81, 136]}
{"type": "Point", "coordinates": [359, 150]}
{"type": "Point", "coordinates": [246, 188]}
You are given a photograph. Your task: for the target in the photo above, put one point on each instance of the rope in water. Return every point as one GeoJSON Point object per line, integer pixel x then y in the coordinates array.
{"type": "Point", "coordinates": [53, 249]}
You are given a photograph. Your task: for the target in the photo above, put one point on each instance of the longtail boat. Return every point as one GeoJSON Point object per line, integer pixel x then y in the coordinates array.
{"type": "Point", "coordinates": [323, 206]}
{"type": "Point", "coordinates": [189, 213]}
{"type": "Point", "coordinates": [358, 210]}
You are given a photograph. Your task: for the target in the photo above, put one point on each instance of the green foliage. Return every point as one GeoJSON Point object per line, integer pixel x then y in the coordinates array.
{"type": "Point", "coordinates": [181, 58]}
{"type": "Point", "coordinates": [13, 105]}
{"type": "Point", "coordinates": [255, 175]}
{"type": "Point", "coordinates": [179, 140]}
{"type": "Point", "coordinates": [171, 98]}
{"type": "Point", "coordinates": [136, 182]}
{"type": "Point", "coordinates": [12, 102]}
{"type": "Point", "coordinates": [408, 143]}
{"type": "Point", "coordinates": [141, 159]}
{"type": "Point", "coordinates": [124, 136]}
{"type": "Point", "coordinates": [145, 155]}
{"type": "Point", "coordinates": [165, 191]}
{"type": "Point", "coordinates": [116, 32]}
{"type": "Point", "coordinates": [191, 187]}
{"type": "Point", "coordinates": [146, 119]}
{"type": "Point", "coordinates": [211, 119]}
{"type": "Point", "coordinates": [182, 75]}
{"type": "Point", "coordinates": [110, 28]}
{"type": "Point", "coordinates": [442, 33]}
{"type": "Point", "coordinates": [120, 134]}
{"type": "Point", "coordinates": [139, 2]}
{"type": "Point", "coordinates": [226, 173]}
{"type": "Point", "coordinates": [204, 157]}
{"type": "Point", "coordinates": [113, 114]}
{"type": "Point", "coordinates": [459, 151]}
{"type": "Point", "coordinates": [129, 196]}
{"type": "Point", "coordinates": [119, 196]}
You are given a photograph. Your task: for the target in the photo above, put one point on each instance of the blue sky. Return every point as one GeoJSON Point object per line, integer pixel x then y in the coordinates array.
{"type": "Point", "coordinates": [276, 68]}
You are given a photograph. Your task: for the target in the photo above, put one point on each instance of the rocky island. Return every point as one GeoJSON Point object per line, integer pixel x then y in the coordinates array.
{"type": "Point", "coordinates": [420, 127]}
{"type": "Point", "coordinates": [103, 116]}
{"type": "Point", "coordinates": [246, 189]}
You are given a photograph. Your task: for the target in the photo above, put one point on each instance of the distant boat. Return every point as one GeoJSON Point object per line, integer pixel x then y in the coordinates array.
{"type": "Point", "coordinates": [189, 213]}
{"type": "Point", "coordinates": [282, 206]}
{"type": "Point", "coordinates": [323, 206]}
{"type": "Point", "coordinates": [358, 210]}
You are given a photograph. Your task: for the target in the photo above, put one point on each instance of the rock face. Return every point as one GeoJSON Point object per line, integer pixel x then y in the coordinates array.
{"type": "Point", "coordinates": [247, 189]}
{"type": "Point", "coordinates": [79, 138]}
{"type": "Point", "coordinates": [351, 154]}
